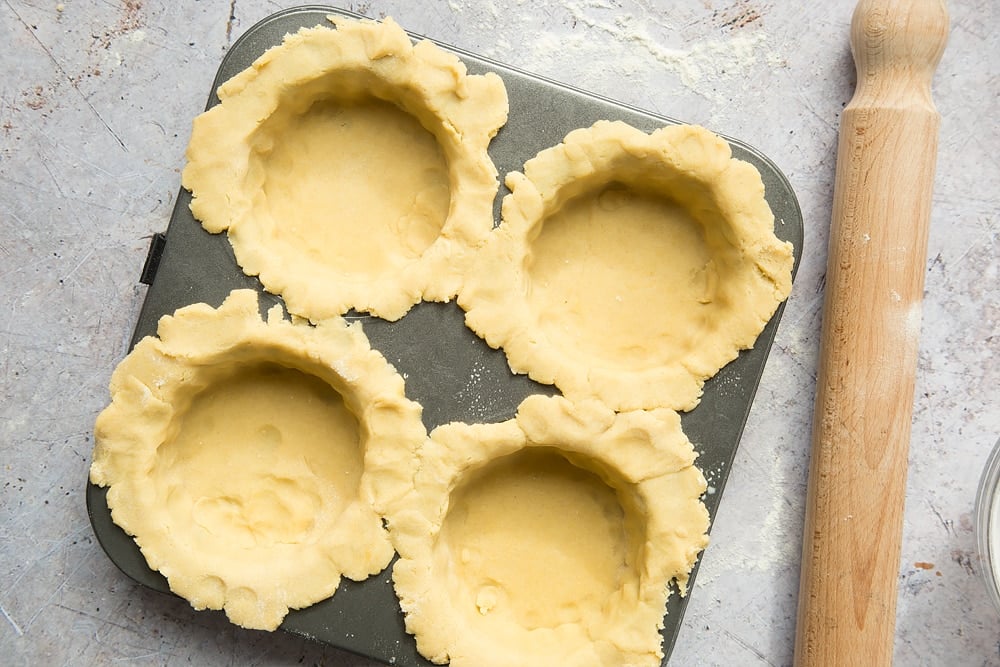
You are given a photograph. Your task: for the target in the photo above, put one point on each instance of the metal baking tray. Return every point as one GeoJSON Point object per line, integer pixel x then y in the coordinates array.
{"type": "Point", "coordinates": [448, 369]}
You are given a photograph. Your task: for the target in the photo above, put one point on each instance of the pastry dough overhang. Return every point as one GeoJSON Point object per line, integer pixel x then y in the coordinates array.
{"type": "Point", "coordinates": [247, 457]}
{"type": "Point", "coordinates": [629, 266]}
{"type": "Point", "coordinates": [350, 168]}
{"type": "Point", "coordinates": [592, 514]}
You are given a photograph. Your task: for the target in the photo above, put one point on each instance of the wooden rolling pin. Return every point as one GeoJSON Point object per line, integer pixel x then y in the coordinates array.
{"type": "Point", "coordinates": [871, 325]}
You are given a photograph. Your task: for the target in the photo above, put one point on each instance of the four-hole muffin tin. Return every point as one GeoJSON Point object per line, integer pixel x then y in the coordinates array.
{"type": "Point", "coordinates": [447, 368]}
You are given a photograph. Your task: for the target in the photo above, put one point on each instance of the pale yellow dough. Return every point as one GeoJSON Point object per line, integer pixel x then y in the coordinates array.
{"type": "Point", "coordinates": [629, 267]}
{"type": "Point", "coordinates": [549, 539]}
{"type": "Point", "coordinates": [350, 168]}
{"type": "Point", "coordinates": [247, 457]}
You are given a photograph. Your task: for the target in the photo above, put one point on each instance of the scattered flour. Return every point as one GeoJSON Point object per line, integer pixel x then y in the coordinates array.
{"type": "Point", "coordinates": [573, 46]}
{"type": "Point", "coordinates": [735, 55]}
{"type": "Point", "coordinates": [913, 318]}
{"type": "Point", "coordinates": [765, 541]}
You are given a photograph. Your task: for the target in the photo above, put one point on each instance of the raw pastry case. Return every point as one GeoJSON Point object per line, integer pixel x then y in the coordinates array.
{"type": "Point", "coordinates": [448, 369]}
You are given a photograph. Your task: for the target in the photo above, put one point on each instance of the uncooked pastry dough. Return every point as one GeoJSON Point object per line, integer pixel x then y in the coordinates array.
{"type": "Point", "coordinates": [246, 457]}
{"type": "Point", "coordinates": [350, 167]}
{"type": "Point", "coordinates": [629, 267]}
{"type": "Point", "coordinates": [548, 539]}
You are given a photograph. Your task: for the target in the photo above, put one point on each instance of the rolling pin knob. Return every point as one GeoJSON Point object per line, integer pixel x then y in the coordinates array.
{"type": "Point", "coordinates": [897, 45]}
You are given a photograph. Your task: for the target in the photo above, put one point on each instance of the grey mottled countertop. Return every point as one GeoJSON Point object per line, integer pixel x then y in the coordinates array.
{"type": "Point", "coordinates": [96, 101]}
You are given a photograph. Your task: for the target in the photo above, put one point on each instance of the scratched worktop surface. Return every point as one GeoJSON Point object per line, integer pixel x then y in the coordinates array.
{"type": "Point", "coordinates": [96, 101]}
